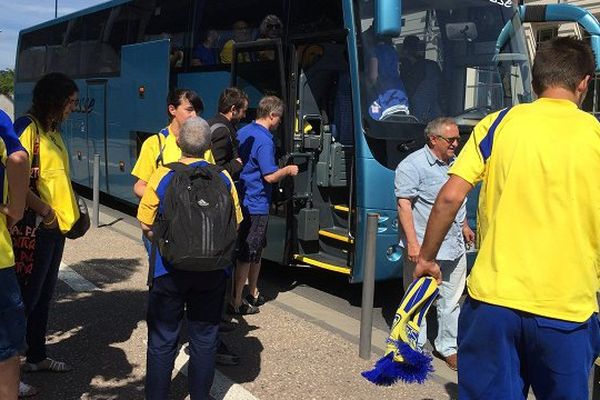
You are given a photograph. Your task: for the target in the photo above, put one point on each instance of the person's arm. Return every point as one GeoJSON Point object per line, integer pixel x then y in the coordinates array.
{"type": "Point", "coordinates": [446, 205]}
{"type": "Point", "coordinates": [139, 187]}
{"type": "Point", "coordinates": [281, 173]}
{"type": "Point", "coordinates": [43, 209]}
{"type": "Point", "coordinates": [405, 216]}
{"type": "Point", "coordinates": [17, 173]}
{"type": "Point", "coordinates": [148, 207]}
{"type": "Point", "coordinates": [468, 234]}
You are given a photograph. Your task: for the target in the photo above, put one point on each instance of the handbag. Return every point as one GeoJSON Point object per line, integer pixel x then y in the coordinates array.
{"type": "Point", "coordinates": [23, 234]}
{"type": "Point", "coordinates": [81, 226]}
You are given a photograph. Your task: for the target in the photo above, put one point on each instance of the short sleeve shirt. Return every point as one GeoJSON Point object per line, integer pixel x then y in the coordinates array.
{"type": "Point", "coordinates": [155, 193]}
{"type": "Point", "coordinates": [148, 159]}
{"type": "Point", "coordinates": [257, 152]}
{"type": "Point", "coordinates": [9, 144]}
{"type": "Point", "coordinates": [539, 209]}
{"type": "Point", "coordinates": [419, 178]}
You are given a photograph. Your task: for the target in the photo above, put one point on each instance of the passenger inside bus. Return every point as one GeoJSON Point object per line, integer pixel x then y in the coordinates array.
{"type": "Point", "coordinates": [241, 33]}
{"type": "Point", "coordinates": [383, 78]}
{"type": "Point", "coordinates": [205, 52]}
{"type": "Point", "coordinates": [271, 27]}
{"type": "Point", "coordinates": [422, 79]}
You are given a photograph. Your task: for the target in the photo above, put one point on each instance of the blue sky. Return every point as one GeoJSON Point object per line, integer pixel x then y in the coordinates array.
{"type": "Point", "coordinates": [19, 14]}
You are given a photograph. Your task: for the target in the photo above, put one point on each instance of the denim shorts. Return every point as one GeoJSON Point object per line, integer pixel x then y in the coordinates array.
{"type": "Point", "coordinates": [12, 316]}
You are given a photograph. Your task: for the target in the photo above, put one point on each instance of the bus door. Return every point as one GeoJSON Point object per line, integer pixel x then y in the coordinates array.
{"type": "Point", "coordinates": [94, 107]}
{"type": "Point", "coordinates": [323, 141]}
{"type": "Point", "coordinates": [139, 109]}
{"type": "Point", "coordinates": [257, 68]}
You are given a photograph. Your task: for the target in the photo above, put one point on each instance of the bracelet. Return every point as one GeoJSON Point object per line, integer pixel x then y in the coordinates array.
{"type": "Point", "coordinates": [51, 222]}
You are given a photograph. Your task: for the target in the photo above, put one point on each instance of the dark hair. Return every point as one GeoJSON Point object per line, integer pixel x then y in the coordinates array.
{"type": "Point", "coordinates": [231, 97]}
{"type": "Point", "coordinates": [562, 62]}
{"type": "Point", "coordinates": [50, 96]}
{"type": "Point", "coordinates": [177, 95]}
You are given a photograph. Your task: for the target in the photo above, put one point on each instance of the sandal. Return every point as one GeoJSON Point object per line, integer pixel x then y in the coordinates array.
{"type": "Point", "coordinates": [26, 390]}
{"type": "Point", "coordinates": [47, 365]}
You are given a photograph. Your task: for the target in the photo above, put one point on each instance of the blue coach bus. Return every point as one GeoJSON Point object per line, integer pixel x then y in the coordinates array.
{"type": "Point", "coordinates": [343, 132]}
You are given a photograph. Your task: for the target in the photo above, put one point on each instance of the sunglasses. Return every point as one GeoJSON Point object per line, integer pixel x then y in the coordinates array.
{"type": "Point", "coordinates": [450, 140]}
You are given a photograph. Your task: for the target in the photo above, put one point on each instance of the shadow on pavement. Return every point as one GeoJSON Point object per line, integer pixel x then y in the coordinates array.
{"type": "Point", "coordinates": [89, 330]}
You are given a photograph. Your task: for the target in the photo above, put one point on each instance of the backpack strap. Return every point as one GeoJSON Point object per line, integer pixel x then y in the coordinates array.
{"type": "Point", "coordinates": [20, 125]}
{"type": "Point", "coordinates": [485, 146]}
{"type": "Point", "coordinates": [160, 159]}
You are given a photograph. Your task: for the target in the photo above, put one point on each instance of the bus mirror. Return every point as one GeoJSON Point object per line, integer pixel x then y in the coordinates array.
{"type": "Point", "coordinates": [461, 31]}
{"type": "Point", "coordinates": [388, 17]}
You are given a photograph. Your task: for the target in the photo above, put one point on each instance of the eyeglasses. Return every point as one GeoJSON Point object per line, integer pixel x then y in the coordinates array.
{"type": "Point", "coordinates": [273, 26]}
{"type": "Point", "coordinates": [450, 140]}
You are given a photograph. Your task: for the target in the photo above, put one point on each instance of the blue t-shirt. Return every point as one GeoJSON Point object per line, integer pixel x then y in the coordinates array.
{"type": "Point", "coordinates": [205, 55]}
{"type": "Point", "coordinates": [10, 143]}
{"type": "Point", "coordinates": [257, 152]}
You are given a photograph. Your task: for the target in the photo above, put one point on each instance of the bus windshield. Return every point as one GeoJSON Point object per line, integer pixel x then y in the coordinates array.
{"type": "Point", "coordinates": [451, 58]}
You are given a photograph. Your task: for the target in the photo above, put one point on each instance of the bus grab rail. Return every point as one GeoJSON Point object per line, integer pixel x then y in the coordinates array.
{"type": "Point", "coordinates": [556, 13]}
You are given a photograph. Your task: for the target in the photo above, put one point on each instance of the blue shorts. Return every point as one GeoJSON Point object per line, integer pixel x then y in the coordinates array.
{"type": "Point", "coordinates": [503, 352]}
{"type": "Point", "coordinates": [12, 316]}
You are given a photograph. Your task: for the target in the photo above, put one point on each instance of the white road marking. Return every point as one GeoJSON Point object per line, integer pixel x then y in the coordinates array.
{"type": "Point", "coordinates": [75, 281]}
{"type": "Point", "coordinates": [223, 388]}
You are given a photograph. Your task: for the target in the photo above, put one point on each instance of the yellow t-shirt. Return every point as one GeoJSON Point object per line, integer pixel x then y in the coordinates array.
{"type": "Point", "coordinates": [226, 54]}
{"type": "Point", "coordinates": [54, 182]}
{"type": "Point", "coordinates": [539, 209]}
{"type": "Point", "coordinates": [150, 151]}
{"type": "Point", "coordinates": [148, 207]}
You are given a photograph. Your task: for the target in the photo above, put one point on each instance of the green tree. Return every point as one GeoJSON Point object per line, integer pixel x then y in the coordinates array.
{"type": "Point", "coordinates": [7, 82]}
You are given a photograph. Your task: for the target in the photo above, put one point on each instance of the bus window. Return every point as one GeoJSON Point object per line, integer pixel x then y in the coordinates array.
{"type": "Point", "coordinates": [39, 50]}
{"type": "Point", "coordinates": [447, 65]}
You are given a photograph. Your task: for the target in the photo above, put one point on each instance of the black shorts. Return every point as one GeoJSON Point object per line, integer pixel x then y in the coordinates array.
{"type": "Point", "coordinates": [252, 238]}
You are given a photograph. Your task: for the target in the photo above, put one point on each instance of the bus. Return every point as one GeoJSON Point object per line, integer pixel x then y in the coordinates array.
{"type": "Point", "coordinates": [344, 134]}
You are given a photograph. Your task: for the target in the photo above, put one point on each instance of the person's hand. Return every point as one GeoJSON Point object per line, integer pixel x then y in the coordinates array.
{"type": "Point", "coordinates": [412, 250]}
{"type": "Point", "coordinates": [428, 268]}
{"type": "Point", "coordinates": [239, 160]}
{"type": "Point", "coordinates": [50, 221]}
{"type": "Point", "coordinates": [469, 236]}
{"type": "Point", "coordinates": [292, 170]}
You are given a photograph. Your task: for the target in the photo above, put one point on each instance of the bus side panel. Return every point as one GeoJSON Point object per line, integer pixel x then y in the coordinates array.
{"type": "Point", "coordinates": [138, 100]}
{"type": "Point", "coordinates": [208, 85]}
{"type": "Point", "coordinates": [388, 255]}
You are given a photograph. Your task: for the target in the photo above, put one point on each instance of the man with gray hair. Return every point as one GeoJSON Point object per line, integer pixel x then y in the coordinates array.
{"type": "Point", "coordinates": [419, 178]}
{"type": "Point", "coordinates": [200, 292]}
{"type": "Point", "coordinates": [259, 172]}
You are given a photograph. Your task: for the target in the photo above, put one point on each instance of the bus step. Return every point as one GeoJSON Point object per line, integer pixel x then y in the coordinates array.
{"type": "Point", "coordinates": [325, 261]}
{"type": "Point", "coordinates": [337, 233]}
{"type": "Point", "coordinates": [341, 208]}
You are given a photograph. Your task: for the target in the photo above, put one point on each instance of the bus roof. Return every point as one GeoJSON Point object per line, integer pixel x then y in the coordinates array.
{"type": "Point", "coordinates": [89, 10]}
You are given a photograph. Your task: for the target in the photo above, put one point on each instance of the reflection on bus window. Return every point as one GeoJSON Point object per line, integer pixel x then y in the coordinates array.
{"type": "Point", "coordinates": [450, 62]}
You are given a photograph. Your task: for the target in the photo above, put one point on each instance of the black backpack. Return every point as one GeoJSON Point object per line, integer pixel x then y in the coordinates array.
{"type": "Point", "coordinates": [196, 228]}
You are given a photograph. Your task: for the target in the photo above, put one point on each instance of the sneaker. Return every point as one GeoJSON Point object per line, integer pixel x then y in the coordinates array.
{"type": "Point", "coordinates": [26, 390]}
{"type": "Point", "coordinates": [225, 356]}
{"type": "Point", "coordinates": [255, 301]}
{"type": "Point", "coordinates": [227, 326]}
{"type": "Point", "coordinates": [244, 309]}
